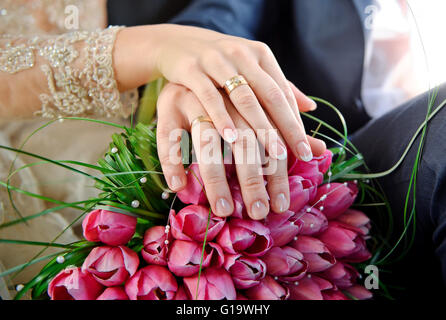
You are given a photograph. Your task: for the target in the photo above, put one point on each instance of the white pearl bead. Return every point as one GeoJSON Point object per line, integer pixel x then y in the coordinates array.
{"type": "Point", "coordinates": [143, 180]}
{"type": "Point", "coordinates": [296, 283]}
{"type": "Point", "coordinates": [276, 278]}
{"type": "Point", "coordinates": [295, 238]}
{"type": "Point", "coordinates": [114, 150]}
{"type": "Point", "coordinates": [308, 210]}
{"type": "Point", "coordinates": [135, 203]}
{"type": "Point", "coordinates": [166, 242]}
{"type": "Point", "coordinates": [321, 208]}
{"type": "Point", "coordinates": [323, 197]}
{"type": "Point", "coordinates": [311, 225]}
{"type": "Point", "coordinates": [19, 287]}
{"type": "Point", "coordinates": [328, 186]}
{"type": "Point", "coordinates": [60, 259]}
{"type": "Point", "coordinates": [329, 173]}
{"type": "Point", "coordinates": [165, 195]}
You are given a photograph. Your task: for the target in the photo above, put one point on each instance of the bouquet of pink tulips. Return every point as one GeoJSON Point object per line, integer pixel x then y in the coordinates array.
{"type": "Point", "coordinates": [305, 253]}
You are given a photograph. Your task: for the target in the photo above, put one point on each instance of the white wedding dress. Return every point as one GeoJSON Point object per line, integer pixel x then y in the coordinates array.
{"type": "Point", "coordinates": [34, 41]}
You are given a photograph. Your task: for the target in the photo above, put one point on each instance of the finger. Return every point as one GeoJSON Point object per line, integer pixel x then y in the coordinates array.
{"type": "Point", "coordinates": [246, 103]}
{"type": "Point", "coordinates": [318, 146]}
{"type": "Point", "coordinates": [304, 103]}
{"type": "Point", "coordinates": [169, 130]}
{"type": "Point", "coordinates": [211, 99]}
{"type": "Point", "coordinates": [248, 167]}
{"type": "Point", "coordinates": [278, 108]}
{"type": "Point", "coordinates": [207, 146]}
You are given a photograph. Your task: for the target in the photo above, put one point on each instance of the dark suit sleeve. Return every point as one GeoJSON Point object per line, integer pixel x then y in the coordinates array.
{"type": "Point", "coordinates": [240, 18]}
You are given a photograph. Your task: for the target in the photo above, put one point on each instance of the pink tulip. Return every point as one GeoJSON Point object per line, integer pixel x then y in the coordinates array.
{"type": "Point", "coordinates": [246, 272]}
{"type": "Point", "coordinates": [214, 284]}
{"type": "Point", "coordinates": [239, 205]}
{"type": "Point", "coordinates": [185, 257]}
{"type": "Point", "coordinates": [283, 226]}
{"type": "Point", "coordinates": [113, 293]}
{"type": "Point", "coordinates": [345, 242]}
{"type": "Point", "coordinates": [324, 161]}
{"type": "Point", "coordinates": [151, 283]}
{"type": "Point", "coordinates": [193, 193]}
{"type": "Point", "coordinates": [312, 170]}
{"type": "Point", "coordinates": [73, 284]}
{"type": "Point", "coordinates": [111, 228]}
{"type": "Point", "coordinates": [341, 275]}
{"type": "Point", "coordinates": [310, 287]}
{"type": "Point", "coordinates": [335, 198]}
{"type": "Point", "coordinates": [316, 254]}
{"type": "Point", "coordinates": [286, 263]}
{"type": "Point", "coordinates": [302, 191]}
{"type": "Point", "coordinates": [248, 237]}
{"type": "Point", "coordinates": [190, 223]}
{"type": "Point", "coordinates": [312, 221]}
{"type": "Point", "coordinates": [334, 295]}
{"type": "Point", "coordinates": [356, 219]}
{"type": "Point", "coordinates": [307, 170]}
{"type": "Point", "coordinates": [181, 294]}
{"type": "Point", "coordinates": [111, 266]}
{"type": "Point", "coordinates": [155, 248]}
{"type": "Point", "coordinates": [359, 292]}
{"type": "Point", "coordinates": [268, 289]}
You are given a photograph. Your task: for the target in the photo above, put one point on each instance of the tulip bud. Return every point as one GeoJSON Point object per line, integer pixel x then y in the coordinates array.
{"type": "Point", "coordinates": [111, 266]}
{"type": "Point", "coordinates": [185, 257]}
{"type": "Point", "coordinates": [335, 198]}
{"type": "Point", "coordinates": [246, 272]}
{"type": "Point", "coordinates": [315, 253]}
{"type": "Point", "coordinates": [324, 161]}
{"type": "Point", "coordinates": [239, 205]}
{"type": "Point", "coordinates": [345, 242]}
{"type": "Point", "coordinates": [334, 295]}
{"type": "Point", "coordinates": [151, 283]}
{"type": "Point", "coordinates": [155, 248]}
{"type": "Point", "coordinates": [73, 284]}
{"type": "Point", "coordinates": [113, 293]}
{"type": "Point", "coordinates": [190, 223]}
{"type": "Point", "coordinates": [181, 294]}
{"type": "Point", "coordinates": [355, 219]}
{"type": "Point", "coordinates": [111, 228]}
{"type": "Point", "coordinates": [268, 289]}
{"type": "Point", "coordinates": [283, 226]}
{"type": "Point", "coordinates": [302, 191]}
{"type": "Point", "coordinates": [286, 263]}
{"type": "Point", "coordinates": [214, 284]}
{"type": "Point", "coordinates": [248, 237]}
{"type": "Point", "coordinates": [359, 292]}
{"type": "Point", "coordinates": [312, 220]}
{"type": "Point", "coordinates": [307, 170]}
{"type": "Point", "coordinates": [341, 275]}
{"type": "Point", "coordinates": [193, 193]}
{"type": "Point", "coordinates": [310, 287]}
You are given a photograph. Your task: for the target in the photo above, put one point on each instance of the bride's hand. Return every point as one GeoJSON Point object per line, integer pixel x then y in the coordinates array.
{"type": "Point", "coordinates": [203, 60]}
{"type": "Point", "coordinates": [177, 108]}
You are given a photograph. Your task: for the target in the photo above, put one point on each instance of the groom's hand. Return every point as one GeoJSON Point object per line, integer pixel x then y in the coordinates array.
{"type": "Point", "coordinates": [178, 107]}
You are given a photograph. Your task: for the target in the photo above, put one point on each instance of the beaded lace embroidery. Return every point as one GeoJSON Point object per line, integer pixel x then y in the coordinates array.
{"type": "Point", "coordinates": [77, 65]}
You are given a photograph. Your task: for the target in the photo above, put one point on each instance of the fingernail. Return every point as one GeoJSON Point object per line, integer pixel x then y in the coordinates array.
{"type": "Point", "coordinates": [258, 210]}
{"type": "Point", "coordinates": [304, 151]}
{"type": "Point", "coordinates": [278, 151]}
{"type": "Point", "coordinates": [230, 135]}
{"type": "Point", "coordinates": [176, 182]}
{"type": "Point", "coordinates": [281, 202]}
{"type": "Point", "coordinates": [313, 104]}
{"type": "Point", "coordinates": [223, 207]}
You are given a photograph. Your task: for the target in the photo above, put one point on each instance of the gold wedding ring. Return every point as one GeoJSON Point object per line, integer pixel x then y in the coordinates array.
{"type": "Point", "coordinates": [234, 82]}
{"type": "Point", "coordinates": [200, 119]}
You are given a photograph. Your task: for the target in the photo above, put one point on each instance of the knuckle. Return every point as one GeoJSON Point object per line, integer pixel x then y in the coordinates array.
{"type": "Point", "coordinates": [190, 65]}
{"type": "Point", "coordinates": [262, 48]}
{"type": "Point", "coordinates": [210, 95]}
{"type": "Point", "coordinates": [213, 179]}
{"type": "Point", "coordinates": [278, 180]}
{"type": "Point", "coordinates": [253, 182]}
{"type": "Point", "coordinates": [246, 101]}
{"type": "Point", "coordinates": [274, 95]}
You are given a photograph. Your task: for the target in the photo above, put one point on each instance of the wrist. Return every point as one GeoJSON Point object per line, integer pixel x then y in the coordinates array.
{"type": "Point", "coordinates": [135, 56]}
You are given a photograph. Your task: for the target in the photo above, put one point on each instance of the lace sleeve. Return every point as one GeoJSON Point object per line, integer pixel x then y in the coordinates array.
{"type": "Point", "coordinates": [66, 75]}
